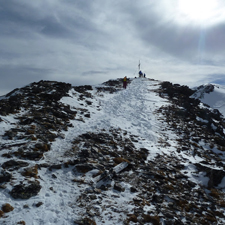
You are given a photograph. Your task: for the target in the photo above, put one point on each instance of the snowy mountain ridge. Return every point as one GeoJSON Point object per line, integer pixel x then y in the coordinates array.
{"type": "Point", "coordinates": [149, 154]}
{"type": "Point", "coordinates": [212, 95]}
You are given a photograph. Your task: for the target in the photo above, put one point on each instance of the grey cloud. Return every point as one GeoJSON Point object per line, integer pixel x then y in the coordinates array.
{"type": "Point", "coordinates": [188, 42]}
{"type": "Point", "coordinates": [54, 22]}
{"type": "Point", "coordinates": [215, 38]}
{"type": "Point", "coordinates": [17, 76]}
{"type": "Point", "coordinates": [217, 78]}
{"type": "Point", "coordinates": [93, 72]}
{"type": "Point", "coordinates": [179, 42]}
{"type": "Point", "coordinates": [50, 26]}
{"type": "Point", "coordinates": [91, 41]}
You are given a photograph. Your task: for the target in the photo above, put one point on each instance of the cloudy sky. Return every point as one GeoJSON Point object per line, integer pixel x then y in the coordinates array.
{"type": "Point", "coordinates": [89, 42]}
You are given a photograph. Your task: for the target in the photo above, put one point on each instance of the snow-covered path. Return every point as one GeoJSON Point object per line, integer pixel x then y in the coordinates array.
{"type": "Point", "coordinates": [130, 109]}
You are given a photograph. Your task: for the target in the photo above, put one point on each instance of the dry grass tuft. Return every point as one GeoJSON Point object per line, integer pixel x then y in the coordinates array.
{"type": "Point", "coordinates": [119, 160]}
{"type": "Point", "coordinates": [151, 219]}
{"type": "Point", "coordinates": [31, 172]}
{"type": "Point", "coordinates": [22, 223]}
{"type": "Point", "coordinates": [215, 193]}
{"type": "Point", "coordinates": [7, 208]}
{"type": "Point", "coordinates": [132, 218]}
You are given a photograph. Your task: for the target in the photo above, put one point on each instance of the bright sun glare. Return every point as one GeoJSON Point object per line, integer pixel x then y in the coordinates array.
{"type": "Point", "coordinates": [200, 11]}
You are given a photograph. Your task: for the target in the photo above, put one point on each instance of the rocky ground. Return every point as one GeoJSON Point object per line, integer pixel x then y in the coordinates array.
{"type": "Point", "coordinates": [108, 164]}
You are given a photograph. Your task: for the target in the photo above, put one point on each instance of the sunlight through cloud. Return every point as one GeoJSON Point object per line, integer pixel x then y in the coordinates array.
{"type": "Point", "coordinates": [200, 11]}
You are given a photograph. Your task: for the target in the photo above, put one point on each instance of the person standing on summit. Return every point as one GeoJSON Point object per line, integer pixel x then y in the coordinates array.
{"type": "Point", "coordinates": [140, 74]}
{"type": "Point", "coordinates": [125, 82]}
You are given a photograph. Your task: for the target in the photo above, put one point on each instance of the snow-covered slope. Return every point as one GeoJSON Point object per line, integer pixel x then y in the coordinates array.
{"type": "Point", "coordinates": [212, 95]}
{"type": "Point", "coordinates": [131, 110]}
{"type": "Point", "coordinates": [107, 155]}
